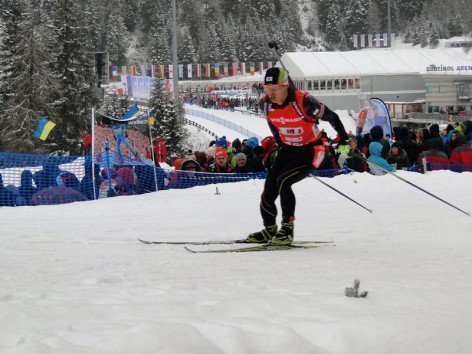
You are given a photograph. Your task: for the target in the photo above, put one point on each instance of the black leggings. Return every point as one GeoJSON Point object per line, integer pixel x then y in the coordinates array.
{"type": "Point", "coordinates": [291, 165]}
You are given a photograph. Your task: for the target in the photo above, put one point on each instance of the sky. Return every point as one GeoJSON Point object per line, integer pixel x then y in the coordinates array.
{"type": "Point", "coordinates": [75, 279]}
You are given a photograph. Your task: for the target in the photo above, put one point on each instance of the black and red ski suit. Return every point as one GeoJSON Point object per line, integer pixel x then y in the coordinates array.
{"type": "Point", "coordinates": [294, 126]}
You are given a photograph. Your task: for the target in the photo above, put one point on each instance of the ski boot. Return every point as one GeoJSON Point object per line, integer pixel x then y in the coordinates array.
{"type": "Point", "coordinates": [284, 237]}
{"type": "Point", "coordinates": [263, 236]}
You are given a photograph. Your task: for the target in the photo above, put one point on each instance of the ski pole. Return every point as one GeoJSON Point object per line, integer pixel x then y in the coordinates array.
{"type": "Point", "coordinates": [339, 192]}
{"type": "Point", "coordinates": [412, 184]}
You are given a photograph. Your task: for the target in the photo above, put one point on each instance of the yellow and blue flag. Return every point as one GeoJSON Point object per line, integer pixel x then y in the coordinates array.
{"type": "Point", "coordinates": [132, 114]}
{"type": "Point", "coordinates": [44, 128]}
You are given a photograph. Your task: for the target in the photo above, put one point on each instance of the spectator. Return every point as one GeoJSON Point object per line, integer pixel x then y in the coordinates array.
{"type": "Point", "coordinates": [462, 154]}
{"type": "Point", "coordinates": [26, 187]}
{"type": "Point", "coordinates": [221, 162]}
{"type": "Point", "coordinates": [68, 179]}
{"type": "Point", "coordinates": [398, 157]}
{"type": "Point", "coordinates": [57, 195]}
{"type": "Point", "coordinates": [125, 181]}
{"type": "Point", "coordinates": [145, 179]}
{"type": "Point", "coordinates": [87, 183]}
{"type": "Point", "coordinates": [241, 164]}
{"type": "Point", "coordinates": [408, 144]}
{"type": "Point", "coordinates": [434, 156]}
{"type": "Point", "coordinates": [7, 198]}
{"type": "Point", "coordinates": [86, 142]}
{"type": "Point", "coordinates": [353, 158]}
{"type": "Point", "coordinates": [160, 150]}
{"type": "Point", "coordinates": [377, 134]}
{"type": "Point", "coordinates": [191, 165]}
{"type": "Point", "coordinates": [47, 176]}
{"type": "Point", "coordinates": [377, 164]}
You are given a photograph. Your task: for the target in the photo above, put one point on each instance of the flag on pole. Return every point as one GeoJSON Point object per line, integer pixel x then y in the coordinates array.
{"type": "Point", "coordinates": [153, 70]}
{"type": "Point", "coordinates": [162, 71]}
{"type": "Point", "coordinates": [225, 69]}
{"type": "Point", "coordinates": [377, 39]}
{"type": "Point", "coordinates": [132, 114]}
{"type": "Point", "coordinates": [171, 71]}
{"type": "Point", "coordinates": [132, 70]}
{"type": "Point", "coordinates": [189, 71]}
{"type": "Point", "coordinates": [234, 68]}
{"type": "Point", "coordinates": [243, 69]}
{"type": "Point", "coordinates": [114, 71]}
{"type": "Point", "coordinates": [385, 39]}
{"type": "Point", "coordinates": [207, 70]}
{"type": "Point", "coordinates": [251, 68]}
{"type": "Point", "coordinates": [261, 67]}
{"type": "Point", "coordinates": [362, 36]}
{"type": "Point", "coordinates": [354, 40]}
{"type": "Point", "coordinates": [181, 71]}
{"type": "Point", "coordinates": [217, 70]}
{"type": "Point", "coordinates": [44, 128]}
{"type": "Point", "coordinates": [199, 70]}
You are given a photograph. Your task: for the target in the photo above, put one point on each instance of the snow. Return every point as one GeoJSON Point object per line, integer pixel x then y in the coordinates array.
{"type": "Point", "coordinates": [75, 279]}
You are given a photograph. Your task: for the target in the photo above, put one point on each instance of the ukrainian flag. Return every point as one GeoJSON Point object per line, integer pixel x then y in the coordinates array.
{"type": "Point", "coordinates": [132, 114]}
{"type": "Point", "coordinates": [44, 128]}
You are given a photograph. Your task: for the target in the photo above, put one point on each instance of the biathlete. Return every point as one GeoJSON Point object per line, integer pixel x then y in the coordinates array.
{"type": "Point", "coordinates": [293, 117]}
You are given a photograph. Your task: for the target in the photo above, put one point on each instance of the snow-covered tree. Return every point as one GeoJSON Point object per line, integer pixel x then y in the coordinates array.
{"type": "Point", "coordinates": [74, 63]}
{"type": "Point", "coordinates": [169, 123]}
{"type": "Point", "coordinates": [31, 85]}
{"type": "Point", "coordinates": [115, 105]}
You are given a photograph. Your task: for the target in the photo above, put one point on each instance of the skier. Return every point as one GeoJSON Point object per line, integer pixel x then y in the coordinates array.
{"type": "Point", "coordinates": [293, 118]}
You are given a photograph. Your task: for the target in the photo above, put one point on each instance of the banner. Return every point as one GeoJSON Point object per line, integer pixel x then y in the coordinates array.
{"type": "Point", "coordinates": [189, 71]}
{"type": "Point", "coordinates": [181, 71]}
{"type": "Point", "coordinates": [374, 112]}
{"type": "Point", "coordinates": [370, 40]}
{"type": "Point", "coordinates": [171, 71]}
{"type": "Point", "coordinates": [251, 68]}
{"type": "Point", "coordinates": [153, 71]}
{"type": "Point", "coordinates": [261, 67]}
{"type": "Point", "coordinates": [354, 40]}
{"type": "Point", "coordinates": [377, 40]}
{"type": "Point", "coordinates": [144, 70]}
{"type": "Point", "coordinates": [199, 70]}
{"type": "Point", "coordinates": [207, 70]}
{"type": "Point", "coordinates": [234, 69]}
{"type": "Point", "coordinates": [362, 41]}
{"type": "Point", "coordinates": [385, 39]}
{"type": "Point", "coordinates": [225, 69]}
{"type": "Point", "coordinates": [243, 69]}
{"type": "Point", "coordinates": [132, 70]}
{"type": "Point", "coordinates": [114, 71]}
{"type": "Point", "coordinates": [217, 70]}
{"type": "Point", "coordinates": [124, 70]}
{"type": "Point", "coordinates": [162, 71]}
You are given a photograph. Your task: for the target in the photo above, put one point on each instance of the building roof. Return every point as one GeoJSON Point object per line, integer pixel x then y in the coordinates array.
{"type": "Point", "coordinates": [378, 62]}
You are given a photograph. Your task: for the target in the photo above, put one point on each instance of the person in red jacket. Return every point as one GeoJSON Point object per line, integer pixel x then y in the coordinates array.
{"type": "Point", "coordinates": [462, 154]}
{"type": "Point", "coordinates": [160, 150]}
{"type": "Point", "coordinates": [86, 142]}
{"type": "Point", "coordinates": [293, 118]}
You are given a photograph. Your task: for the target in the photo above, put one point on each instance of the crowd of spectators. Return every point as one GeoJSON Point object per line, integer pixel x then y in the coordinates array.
{"type": "Point", "coordinates": [426, 149]}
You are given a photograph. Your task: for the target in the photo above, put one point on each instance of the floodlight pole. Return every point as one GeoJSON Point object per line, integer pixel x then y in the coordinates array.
{"type": "Point", "coordinates": [174, 54]}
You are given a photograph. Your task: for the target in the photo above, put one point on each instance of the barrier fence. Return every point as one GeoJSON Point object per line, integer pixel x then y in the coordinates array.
{"type": "Point", "coordinates": [223, 122]}
{"type": "Point", "coordinates": [27, 179]}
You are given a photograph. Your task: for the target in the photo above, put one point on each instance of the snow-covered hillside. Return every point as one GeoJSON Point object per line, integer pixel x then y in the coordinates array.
{"type": "Point", "coordinates": [74, 278]}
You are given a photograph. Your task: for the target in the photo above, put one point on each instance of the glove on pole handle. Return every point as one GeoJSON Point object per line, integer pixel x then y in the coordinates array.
{"type": "Point", "coordinates": [339, 192]}
{"type": "Point", "coordinates": [412, 184]}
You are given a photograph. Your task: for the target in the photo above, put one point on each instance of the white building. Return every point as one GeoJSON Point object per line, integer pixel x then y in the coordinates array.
{"type": "Point", "coordinates": [440, 78]}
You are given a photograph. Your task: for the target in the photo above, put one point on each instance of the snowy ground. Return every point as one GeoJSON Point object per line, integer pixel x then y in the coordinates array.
{"type": "Point", "coordinates": [74, 279]}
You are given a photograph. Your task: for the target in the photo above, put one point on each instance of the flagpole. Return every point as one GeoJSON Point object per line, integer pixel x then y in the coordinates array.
{"type": "Point", "coordinates": [93, 154]}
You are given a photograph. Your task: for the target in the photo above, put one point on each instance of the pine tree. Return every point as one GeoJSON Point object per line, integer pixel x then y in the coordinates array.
{"type": "Point", "coordinates": [115, 105]}
{"type": "Point", "coordinates": [334, 27]}
{"type": "Point", "coordinates": [169, 123]}
{"type": "Point", "coordinates": [355, 18]}
{"type": "Point", "coordinates": [74, 63]}
{"type": "Point", "coordinates": [185, 50]}
{"type": "Point", "coordinates": [31, 86]}
{"type": "Point", "coordinates": [114, 37]}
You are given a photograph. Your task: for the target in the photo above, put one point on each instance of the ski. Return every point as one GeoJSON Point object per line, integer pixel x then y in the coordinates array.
{"type": "Point", "coordinates": [266, 247]}
{"type": "Point", "coordinates": [217, 242]}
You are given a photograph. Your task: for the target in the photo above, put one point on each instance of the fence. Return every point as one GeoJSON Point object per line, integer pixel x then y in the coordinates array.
{"type": "Point", "coordinates": [221, 121]}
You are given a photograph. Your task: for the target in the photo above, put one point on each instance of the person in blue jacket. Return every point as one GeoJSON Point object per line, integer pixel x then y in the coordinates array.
{"type": "Point", "coordinates": [376, 162]}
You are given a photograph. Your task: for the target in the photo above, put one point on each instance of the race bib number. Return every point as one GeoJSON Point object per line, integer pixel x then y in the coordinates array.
{"type": "Point", "coordinates": [292, 131]}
